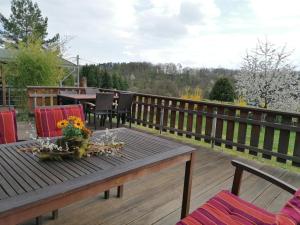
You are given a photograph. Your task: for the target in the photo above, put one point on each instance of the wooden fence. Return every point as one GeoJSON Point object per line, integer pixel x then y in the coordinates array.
{"type": "Point", "coordinates": [255, 131]}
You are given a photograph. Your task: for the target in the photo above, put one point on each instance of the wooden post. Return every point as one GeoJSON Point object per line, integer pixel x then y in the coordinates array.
{"type": "Point", "coordinates": [237, 181]}
{"type": "Point", "coordinates": [187, 186]}
{"type": "Point", "coordinates": [3, 85]}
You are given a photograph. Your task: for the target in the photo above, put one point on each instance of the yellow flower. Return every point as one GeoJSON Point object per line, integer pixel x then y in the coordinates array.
{"type": "Point", "coordinates": [78, 124]}
{"type": "Point", "coordinates": [62, 124]}
{"type": "Point", "coordinates": [73, 118]}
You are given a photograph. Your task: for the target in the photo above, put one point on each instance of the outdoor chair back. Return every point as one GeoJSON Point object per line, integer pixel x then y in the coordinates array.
{"type": "Point", "coordinates": [46, 118]}
{"type": "Point", "coordinates": [104, 102]}
{"type": "Point", "coordinates": [92, 91]}
{"type": "Point", "coordinates": [8, 125]}
{"type": "Point", "coordinates": [125, 102]}
{"type": "Point", "coordinates": [227, 208]}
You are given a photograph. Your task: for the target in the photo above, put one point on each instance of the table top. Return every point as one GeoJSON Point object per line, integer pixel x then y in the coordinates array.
{"type": "Point", "coordinates": [24, 179]}
{"type": "Point", "coordinates": [80, 96]}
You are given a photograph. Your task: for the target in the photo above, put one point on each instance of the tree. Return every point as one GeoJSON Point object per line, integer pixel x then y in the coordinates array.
{"type": "Point", "coordinates": [268, 79]}
{"type": "Point", "coordinates": [115, 81]}
{"type": "Point", "coordinates": [222, 90]}
{"type": "Point", "coordinates": [24, 24]}
{"type": "Point", "coordinates": [34, 66]}
{"type": "Point", "coordinates": [106, 80]}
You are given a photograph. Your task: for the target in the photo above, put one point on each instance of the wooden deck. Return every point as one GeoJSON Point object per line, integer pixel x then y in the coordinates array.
{"type": "Point", "coordinates": [156, 199]}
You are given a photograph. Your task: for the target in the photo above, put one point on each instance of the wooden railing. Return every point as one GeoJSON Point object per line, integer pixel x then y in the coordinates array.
{"type": "Point", "coordinates": [46, 95]}
{"type": "Point", "coordinates": [268, 133]}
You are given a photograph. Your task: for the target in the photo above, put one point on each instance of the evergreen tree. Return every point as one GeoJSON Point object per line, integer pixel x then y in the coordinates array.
{"type": "Point", "coordinates": [25, 23]}
{"type": "Point", "coordinates": [222, 90]}
{"type": "Point", "coordinates": [106, 81]}
{"type": "Point", "coordinates": [115, 81]}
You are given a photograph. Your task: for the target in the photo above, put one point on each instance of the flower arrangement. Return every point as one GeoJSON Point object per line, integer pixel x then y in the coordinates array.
{"type": "Point", "coordinates": [76, 142]}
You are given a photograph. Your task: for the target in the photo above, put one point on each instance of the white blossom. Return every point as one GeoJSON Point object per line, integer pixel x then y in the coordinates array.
{"type": "Point", "coordinates": [268, 79]}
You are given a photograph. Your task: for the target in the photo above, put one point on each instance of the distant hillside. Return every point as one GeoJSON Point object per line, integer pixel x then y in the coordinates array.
{"type": "Point", "coordinates": [162, 79]}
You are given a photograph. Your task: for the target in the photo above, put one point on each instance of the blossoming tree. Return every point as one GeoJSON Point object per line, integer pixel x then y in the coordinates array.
{"type": "Point", "coordinates": [268, 79]}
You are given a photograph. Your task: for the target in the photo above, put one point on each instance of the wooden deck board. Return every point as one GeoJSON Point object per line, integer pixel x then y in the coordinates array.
{"type": "Point", "coordinates": [156, 199]}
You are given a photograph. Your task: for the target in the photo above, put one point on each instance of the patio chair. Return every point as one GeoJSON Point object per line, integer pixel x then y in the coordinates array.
{"type": "Point", "coordinates": [227, 208]}
{"type": "Point", "coordinates": [46, 118]}
{"type": "Point", "coordinates": [8, 125]}
{"type": "Point", "coordinates": [103, 108]}
{"type": "Point", "coordinates": [124, 108]}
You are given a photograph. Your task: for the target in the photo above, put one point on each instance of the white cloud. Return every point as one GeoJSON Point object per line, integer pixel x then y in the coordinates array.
{"type": "Point", "coordinates": [192, 32]}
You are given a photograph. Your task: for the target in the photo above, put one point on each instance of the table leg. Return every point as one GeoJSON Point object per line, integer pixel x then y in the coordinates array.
{"type": "Point", "coordinates": [187, 186]}
{"type": "Point", "coordinates": [55, 214]}
{"type": "Point", "coordinates": [120, 191]}
{"type": "Point", "coordinates": [106, 194]}
{"type": "Point", "coordinates": [39, 220]}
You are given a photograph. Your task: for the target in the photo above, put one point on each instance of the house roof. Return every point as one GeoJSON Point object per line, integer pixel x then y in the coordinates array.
{"type": "Point", "coordinates": [7, 55]}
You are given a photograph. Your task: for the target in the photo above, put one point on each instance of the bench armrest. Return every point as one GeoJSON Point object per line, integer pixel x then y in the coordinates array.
{"type": "Point", "coordinates": [240, 167]}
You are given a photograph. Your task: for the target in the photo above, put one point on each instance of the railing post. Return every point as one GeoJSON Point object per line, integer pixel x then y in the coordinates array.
{"type": "Point", "coordinates": [213, 130]}
{"type": "Point", "coordinates": [161, 121]}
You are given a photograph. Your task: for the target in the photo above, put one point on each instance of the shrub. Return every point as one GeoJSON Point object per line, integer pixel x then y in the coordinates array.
{"type": "Point", "coordinates": [222, 90]}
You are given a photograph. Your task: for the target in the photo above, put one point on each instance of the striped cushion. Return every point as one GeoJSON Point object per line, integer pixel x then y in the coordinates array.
{"type": "Point", "coordinates": [290, 213]}
{"type": "Point", "coordinates": [228, 209]}
{"type": "Point", "coordinates": [46, 118]}
{"type": "Point", "coordinates": [8, 127]}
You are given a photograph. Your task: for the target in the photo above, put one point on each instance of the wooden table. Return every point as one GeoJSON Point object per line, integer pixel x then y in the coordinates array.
{"type": "Point", "coordinates": [30, 187]}
{"type": "Point", "coordinates": [76, 98]}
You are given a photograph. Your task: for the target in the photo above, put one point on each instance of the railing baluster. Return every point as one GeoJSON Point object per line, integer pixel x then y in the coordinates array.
{"type": "Point", "coordinates": [219, 125]}
{"type": "Point", "coordinates": [145, 111]}
{"type": "Point", "coordinates": [199, 121]}
{"type": "Point", "coordinates": [135, 98]}
{"type": "Point", "coordinates": [230, 127]}
{"type": "Point", "coordinates": [189, 124]}
{"type": "Point", "coordinates": [181, 117]}
{"type": "Point", "coordinates": [255, 132]}
{"type": "Point", "coordinates": [151, 114]}
{"type": "Point", "coordinates": [269, 135]}
{"type": "Point", "coordinates": [157, 117]}
{"type": "Point", "coordinates": [297, 144]}
{"type": "Point", "coordinates": [139, 109]}
{"type": "Point", "coordinates": [284, 138]}
{"type": "Point", "coordinates": [166, 114]}
{"type": "Point", "coordinates": [208, 122]}
{"type": "Point", "coordinates": [173, 115]}
{"type": "Point", "coordinates": [242, 132]}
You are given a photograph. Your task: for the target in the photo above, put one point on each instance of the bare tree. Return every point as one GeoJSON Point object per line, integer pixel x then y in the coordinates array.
{"type": "Point", "coordinates": [268, 79]}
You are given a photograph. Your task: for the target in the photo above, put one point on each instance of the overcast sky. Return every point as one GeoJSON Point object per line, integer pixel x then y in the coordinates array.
{"type": "Point", "coordinates": [198, 33]}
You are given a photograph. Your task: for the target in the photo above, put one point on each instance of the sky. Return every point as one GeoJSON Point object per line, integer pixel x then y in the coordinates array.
{"type": "Point", "coordinates": [195, 33]}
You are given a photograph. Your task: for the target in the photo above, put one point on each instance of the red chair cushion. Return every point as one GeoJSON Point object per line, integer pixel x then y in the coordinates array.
{"type": "Point", "coordinates": [290, 213]}
{"type": "Point", "coordinates": [8, 127]}
{"type": "Point", "coordinates": [228, 209]}
{"type": "Point", "coordinates": [46, 118]}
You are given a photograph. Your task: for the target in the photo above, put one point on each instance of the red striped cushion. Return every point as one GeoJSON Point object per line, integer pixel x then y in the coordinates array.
{"type": "Point", "coordinates": [290, 213]}
{"type": "Point", "coordinates": [46, 118]}
{"type": "Point", "coordinates": [228, 209]}
{"type": "Point", "coordinates": [8, 127]}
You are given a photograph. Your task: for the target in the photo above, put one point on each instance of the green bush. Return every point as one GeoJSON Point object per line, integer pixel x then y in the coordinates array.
{"type": "Point", "coordinates": [222, 90]}
{"type": "Point", "coordinates": [35, 66]}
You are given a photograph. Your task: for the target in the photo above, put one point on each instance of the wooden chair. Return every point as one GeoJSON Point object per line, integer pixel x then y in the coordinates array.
{"type": "Point", "coordinates": [46, 118]}
{"type": "Point", "coordinates": [124, 108]}
{"type": "Point", "coordinates": [227, 208]}
{"type": "Point", "coordinates": [103, 108]}
{"type": "Point", "coordinates": [8, 125]}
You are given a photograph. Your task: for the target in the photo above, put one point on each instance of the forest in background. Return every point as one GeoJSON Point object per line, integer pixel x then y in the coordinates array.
{"type": "Point", "coordinates": [162, 79]}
